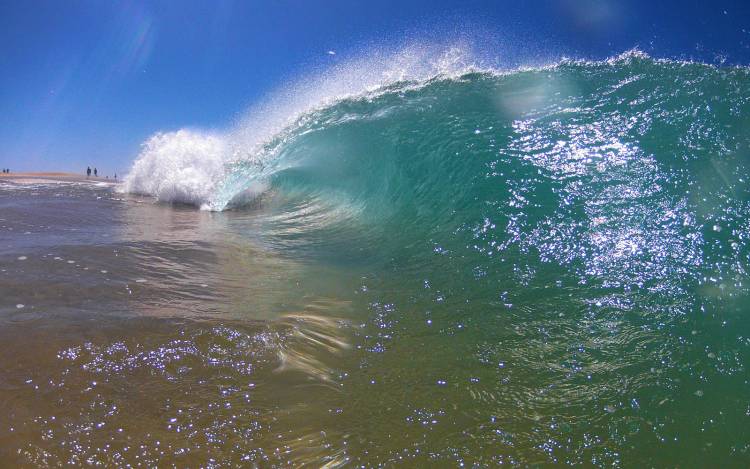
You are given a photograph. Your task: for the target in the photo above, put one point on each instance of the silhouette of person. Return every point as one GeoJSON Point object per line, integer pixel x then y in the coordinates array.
{"type": "Point", "coordinates": [115, 176]}
{"type": "Point", "coordinates": [94, 172]}
{"type": "Point", "coordinates": [88, 171]}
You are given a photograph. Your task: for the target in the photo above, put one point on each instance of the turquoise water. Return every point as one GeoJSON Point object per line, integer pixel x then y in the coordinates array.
{"type": "Point", "coordinates": [544, 266]}
{"type": "Point", "coordinates": [554, 261]}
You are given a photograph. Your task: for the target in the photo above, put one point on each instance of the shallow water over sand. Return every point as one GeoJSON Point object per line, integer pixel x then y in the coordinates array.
{"type": "Point", "coordinates": [138, 333]}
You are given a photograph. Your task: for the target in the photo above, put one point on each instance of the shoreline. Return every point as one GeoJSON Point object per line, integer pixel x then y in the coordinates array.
{"type": "Point", "coordinates": [50, 177]}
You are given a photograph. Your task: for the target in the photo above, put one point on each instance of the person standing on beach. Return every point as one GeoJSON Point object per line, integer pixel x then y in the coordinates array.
{"type": "Point", "coordinates": [88, 171]}
{"type": "Point", "coordinates": [94, 172]}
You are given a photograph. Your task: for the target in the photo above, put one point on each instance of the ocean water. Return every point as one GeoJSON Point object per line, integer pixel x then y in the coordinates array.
{"type": "Point", "coordinates": [460, 267]}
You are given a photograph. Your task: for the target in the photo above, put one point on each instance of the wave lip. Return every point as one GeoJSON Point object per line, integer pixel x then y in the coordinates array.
{"type": "Point", "coordinates": [191, 167]}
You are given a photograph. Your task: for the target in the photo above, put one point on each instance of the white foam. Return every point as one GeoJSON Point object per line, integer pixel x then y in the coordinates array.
{"type": "Point", "coordinates": [182, 166]}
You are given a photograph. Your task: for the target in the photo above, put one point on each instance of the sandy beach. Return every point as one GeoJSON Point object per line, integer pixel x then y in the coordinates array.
{"type": "Point", "coordinates": [52, 178]}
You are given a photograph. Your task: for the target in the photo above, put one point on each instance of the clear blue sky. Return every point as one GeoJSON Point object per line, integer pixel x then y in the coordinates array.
{"type": "Point", "coordinates": [85, 82]}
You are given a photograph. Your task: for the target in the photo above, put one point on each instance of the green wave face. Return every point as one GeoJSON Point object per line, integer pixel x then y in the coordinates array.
{"type": "Point", "coordinates": [554, 260]}
{"type": "Point", "coordinates": [626, 171]}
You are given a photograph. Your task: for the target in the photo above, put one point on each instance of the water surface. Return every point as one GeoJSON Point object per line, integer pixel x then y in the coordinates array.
{"type": "Point", "coordinates": [539, 267]}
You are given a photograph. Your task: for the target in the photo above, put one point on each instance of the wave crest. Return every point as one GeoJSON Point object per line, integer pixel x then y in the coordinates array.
{"type": "Point", "coordinates": [221, 170]}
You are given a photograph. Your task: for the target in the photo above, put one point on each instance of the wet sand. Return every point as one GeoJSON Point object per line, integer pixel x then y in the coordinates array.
{"type": "Point", "coordinates": [52, 178]}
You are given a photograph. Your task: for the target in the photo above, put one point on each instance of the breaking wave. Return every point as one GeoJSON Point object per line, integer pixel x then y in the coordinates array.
{"type": "Point", "coordinates": [552, 261]}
